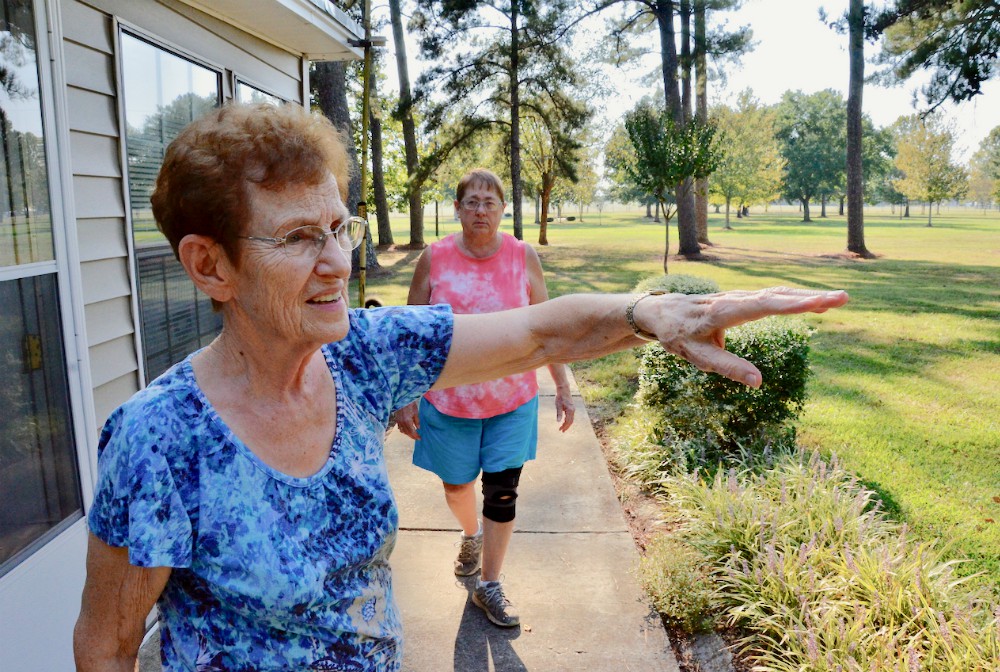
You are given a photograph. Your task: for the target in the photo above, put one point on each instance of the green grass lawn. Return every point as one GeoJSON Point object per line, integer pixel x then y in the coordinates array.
{"type": "Point", "coordinates": [906, 379]}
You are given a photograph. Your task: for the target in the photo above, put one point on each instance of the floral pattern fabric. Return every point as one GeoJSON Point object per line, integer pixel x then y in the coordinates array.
{"type": "Point", "coordinates": [270, 572]}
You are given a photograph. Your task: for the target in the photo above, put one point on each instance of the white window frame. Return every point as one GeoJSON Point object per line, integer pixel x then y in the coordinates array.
{"type": "Point", "coordinates": [65, 267]}
{"type": "Point", "coordinates": [119, 26]}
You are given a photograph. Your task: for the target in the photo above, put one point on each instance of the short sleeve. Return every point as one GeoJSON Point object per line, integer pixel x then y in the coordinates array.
{"type": "Point", "coordinates": [137, 503]}
{"type": "Point", "coordinates": [404, 349]}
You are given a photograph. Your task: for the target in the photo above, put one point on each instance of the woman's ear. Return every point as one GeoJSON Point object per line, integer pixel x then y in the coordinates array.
{"type": "Point", "coordinates": [208, 266]}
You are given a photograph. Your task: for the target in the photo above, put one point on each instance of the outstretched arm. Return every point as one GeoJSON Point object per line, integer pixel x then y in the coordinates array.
{"type": "Point", "coordinates": [584, 326]}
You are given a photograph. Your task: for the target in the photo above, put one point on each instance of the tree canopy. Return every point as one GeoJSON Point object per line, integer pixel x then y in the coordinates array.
{"type": "Point", "coordinates": [492, 58]}
{"type": "Point", "coordinates": [924, 157]}
{"type": "Point", "coordinates": [812, 129]}
{"type": "Point", "coordinates": [956, 41]}
{"type": "Point", "coordinates": [750, 161]}
{"type": "Point", "coordinates": [667, 154]}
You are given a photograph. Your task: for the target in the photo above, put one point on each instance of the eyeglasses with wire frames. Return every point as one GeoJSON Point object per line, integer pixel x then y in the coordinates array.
{"type": "Point", "coordinates": [473, 205]}
{"type": "Point", "coordinates": [310, 240]}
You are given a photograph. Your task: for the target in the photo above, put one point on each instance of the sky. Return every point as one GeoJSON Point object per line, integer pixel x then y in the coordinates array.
{"type": "Point", "coordinates": [793, 51]}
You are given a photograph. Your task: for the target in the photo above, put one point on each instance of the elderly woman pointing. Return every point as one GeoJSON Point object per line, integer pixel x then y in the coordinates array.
{"type": "Point", "coordinates": [244, 491]}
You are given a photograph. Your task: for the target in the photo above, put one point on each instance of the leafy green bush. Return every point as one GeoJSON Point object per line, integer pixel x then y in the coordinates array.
{"type": "Point", "coordinates": [678, 284]}
{"type": "Point", "coordinates": [677, 578]}
{"type": "Point", "coordinates": [807, 564]}
{"type": "Point", "coordinates": [717, 418]}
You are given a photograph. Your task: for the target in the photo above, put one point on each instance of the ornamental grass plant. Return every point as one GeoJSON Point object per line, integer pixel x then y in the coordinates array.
{"type": "Point", "coordinates": [819, 578]}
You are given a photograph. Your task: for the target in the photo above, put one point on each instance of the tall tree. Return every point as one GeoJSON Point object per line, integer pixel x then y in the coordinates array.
{"type": "Point", "coordinates": [329, 89]}
{"type": "Point", "coordinates": [812, 130]}
{"type": "Point", "coordinates": [676, 62]}
{"type": "Point", "coordinates": [985, 166]}
{"type": "Point", "coordinates": [618, 155]}
{"type": "Point", "coordinates": [990, 148]}
{"type": "Point", "coordinates": [750, 161]}
{"type": "Point", "coordinates": [551, 151]}
{"type": "Point", "coordinates": [665, 154]}
{"type": "Point", "coordinates": [924, 156]}
{"type": "Point", "coordinates": [491, 57]}
{"type": "Point", "coordinates": [378, 179]}
{"type": "Point", "coordinates": [855, 177]}
{"type": "Point", "coordinates": [701, 114]}
{"type": "Point", "coordinates": [404, 112]}
{"type": "Point", "coordinates": [984, 189]}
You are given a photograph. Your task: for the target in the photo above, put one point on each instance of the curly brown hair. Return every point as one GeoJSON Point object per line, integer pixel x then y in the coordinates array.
{"type": "Point", "coordinates": [203, 185]}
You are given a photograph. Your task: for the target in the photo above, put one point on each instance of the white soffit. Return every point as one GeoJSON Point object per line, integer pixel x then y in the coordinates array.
{"type": "Point", "coordinates": [316, 29]}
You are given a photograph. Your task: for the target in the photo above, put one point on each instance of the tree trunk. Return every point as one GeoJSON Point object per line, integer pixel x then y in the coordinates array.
{"type": "Point", "coordinates": [378, 183]}
{"type": "Point", "coordinates": [855, 174]}
{"type": "Point", "coordinates": [684, 191]}
{"type": "Point", "coordinates": [548, 181]}
{"type": "Point", "coordinates": [666, 236]}
{"type": "Point", "coordinates": [822, 207]}
{"type": "Point", "coordinates": [649, 210]}
{"type": "Point", "coordinates": [701, 113]}
{"type": "Point", "coordinates": [538, 207]}
{"type": "Point", "coordinates": [727, 226]}
{"type": "Point", "coordinates": [413, 189]}
{"type": "Point", "coordinates": [686, 63]}
{"type": "Point", "coordinates": [517, 187]}
{"type": "Point", "coordinates": [930, 209]}
{"type": "Point", "coordinates": [805, 210]}
{"type": "Point", "coordinates": [329, 83]}
{"type": "Point", "coordinates": [841, 207]}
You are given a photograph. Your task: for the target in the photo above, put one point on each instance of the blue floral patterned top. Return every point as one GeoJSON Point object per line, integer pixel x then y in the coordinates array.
{"type": "Point", "coordinates": [271, 572]}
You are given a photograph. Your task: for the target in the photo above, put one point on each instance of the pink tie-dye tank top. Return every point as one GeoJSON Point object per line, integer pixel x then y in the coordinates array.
{"type": "Point", "coordinates": [488, 285]}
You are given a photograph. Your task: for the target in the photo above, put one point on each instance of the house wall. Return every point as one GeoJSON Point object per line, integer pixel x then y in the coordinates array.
{"type": "Point", "coordinates": [96, 151]}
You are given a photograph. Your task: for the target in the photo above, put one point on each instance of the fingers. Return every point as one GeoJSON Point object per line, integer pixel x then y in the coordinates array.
{"type": "Point", "coordinates": [565, 410]}
{"type": "Point", "coordinates": [410, 427]}
{"type": "Point", "coordinates": [718, 360]}
{"type": "Point", "coordinates": [740, 307]}
{"type": "Point", "coordinates": [408, 421]}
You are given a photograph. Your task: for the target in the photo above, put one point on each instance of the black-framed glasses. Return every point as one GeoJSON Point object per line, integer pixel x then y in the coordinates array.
{"type": "Point", "coordinates": [473, 204]}
{"type": "Point", "coordinates": [310, 240]}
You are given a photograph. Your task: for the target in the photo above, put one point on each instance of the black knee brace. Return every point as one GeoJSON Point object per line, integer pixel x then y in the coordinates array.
{"type": "Point", "coordinates": [500, 494]}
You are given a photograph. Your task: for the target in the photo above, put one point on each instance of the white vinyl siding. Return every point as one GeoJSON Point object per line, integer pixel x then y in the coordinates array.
{"type": "Point", "coordinates": [98, 194]}
{"type": "Point", "coordinates": [96, 155]}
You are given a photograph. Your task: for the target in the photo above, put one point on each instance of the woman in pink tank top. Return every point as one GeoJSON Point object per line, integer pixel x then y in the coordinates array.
{"type": "Point", "coordinates": [488, 427]}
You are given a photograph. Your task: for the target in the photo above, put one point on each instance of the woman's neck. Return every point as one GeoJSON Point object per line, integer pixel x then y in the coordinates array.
{"type": "Point", "coordinates": [256, 371]}
{"type": "Point", "coordinates": [477, 247]}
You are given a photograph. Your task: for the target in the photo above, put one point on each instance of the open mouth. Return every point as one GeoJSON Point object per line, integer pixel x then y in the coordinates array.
{"type": "Point", "coordinates": [326, 298]}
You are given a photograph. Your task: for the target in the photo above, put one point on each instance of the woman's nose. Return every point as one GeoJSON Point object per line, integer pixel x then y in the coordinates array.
{"type": "Point", "coordinates": [334, 259]}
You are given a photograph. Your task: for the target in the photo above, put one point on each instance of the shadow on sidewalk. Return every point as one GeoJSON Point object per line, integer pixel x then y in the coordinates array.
{"type": "Point", "coordinates": [476, 645]}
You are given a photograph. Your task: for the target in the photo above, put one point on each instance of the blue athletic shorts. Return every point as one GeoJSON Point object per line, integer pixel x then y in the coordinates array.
{"type": "Point", "coordinates": [456, 449]}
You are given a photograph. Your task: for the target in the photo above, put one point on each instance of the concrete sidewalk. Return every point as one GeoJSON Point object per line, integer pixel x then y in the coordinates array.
{"type": "Point", "coordinates": [570, 569]}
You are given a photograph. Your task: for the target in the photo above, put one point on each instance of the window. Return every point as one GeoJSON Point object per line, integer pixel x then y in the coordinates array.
{"type": "Point", "coordinates": [163, 92]}
{"type": "Point", "coordinates": [246, 93]}
{"type": "Point", "coordinates": [38, 472]}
